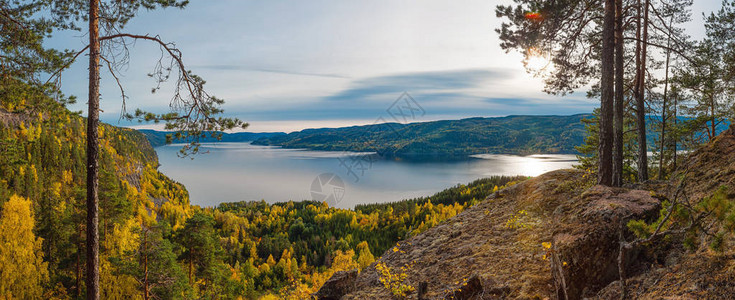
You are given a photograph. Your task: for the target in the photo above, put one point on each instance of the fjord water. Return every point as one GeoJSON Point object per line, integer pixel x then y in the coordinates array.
{"type": "Point", "coordinates": [231, 172]}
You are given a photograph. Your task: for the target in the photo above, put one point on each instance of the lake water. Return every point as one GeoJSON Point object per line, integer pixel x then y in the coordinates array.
{"type": "Point", "coordinates": [232, 172]}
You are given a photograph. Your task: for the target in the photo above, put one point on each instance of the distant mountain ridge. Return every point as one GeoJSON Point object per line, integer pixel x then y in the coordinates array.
{"type": "Point", "coordinates": [158, 138]}
{"type": "Point", "coordinates": [437, 140]}
{"type": "Point", "coordinates": [446, 139]}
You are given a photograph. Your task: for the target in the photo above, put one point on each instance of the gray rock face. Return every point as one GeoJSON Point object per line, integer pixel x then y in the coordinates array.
{"type": "Point", "coordinates": [337, 286]}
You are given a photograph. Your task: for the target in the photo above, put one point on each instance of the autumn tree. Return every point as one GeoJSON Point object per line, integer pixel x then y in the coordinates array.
{"type": "Point", "coordinates": [23, 270]}
{"type": "Point", "coordinates": [365, 257]}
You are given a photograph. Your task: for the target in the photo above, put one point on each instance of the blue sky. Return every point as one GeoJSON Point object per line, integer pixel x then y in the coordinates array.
{"type": "Point", "coordinates": [285, 65]}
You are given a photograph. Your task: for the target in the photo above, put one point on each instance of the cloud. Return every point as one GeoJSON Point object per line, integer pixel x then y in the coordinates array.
{"type": "Point", "coordinates": [266, 70]}
{"type": "Point", "coordinates": [509, 101]}
{"type": "Point", "coordinates": [434, 83]}
{"type": "Point", "coordinates": [450, 94]}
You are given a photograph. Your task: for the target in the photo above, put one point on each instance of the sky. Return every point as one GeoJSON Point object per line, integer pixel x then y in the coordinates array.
{"type": "Point", "coordinates": [286, 65]}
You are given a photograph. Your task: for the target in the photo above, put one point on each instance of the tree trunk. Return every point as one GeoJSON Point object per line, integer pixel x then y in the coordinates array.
{"type": "Point", "coordinates": [636, 81]}
{"type": "Point", "coordinates": [617, 176]}
{"type": "Point", "coordinates": [604, 175]}
{"type": "Point", "coordinates": [712, 116]}
{"type": "Point", "coordinates": [80, 249]}
{"type": "Point", "coordinates": [145, 263]}
{"type": "Point", "coordinates": [641, 102]}
{"type": "Point", "coordinates": [191, 267]}
{"type": "Point", "coordinates": [676, 125]}
{"type": "Point", "coordinates": [661, 169]}
{"type": "Point", "coordinates": [93, 276]}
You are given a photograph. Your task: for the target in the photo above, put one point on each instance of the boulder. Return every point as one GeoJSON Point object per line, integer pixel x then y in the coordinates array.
{"type": "Point", "coordinates": [586, 246]}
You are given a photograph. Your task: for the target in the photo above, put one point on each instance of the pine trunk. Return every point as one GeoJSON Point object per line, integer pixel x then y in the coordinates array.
{"type": "Point", "coordinates": [604, 175]}
{"type": "Point", "coordinates": [191, 268]}
{"type": "Point", "coordinates": [713, 117]}
{"type": "Point", "coordinates": [93, 276]}
{"type": "Point", "coordinates": [617, 176]}
{"type": "Point", "coordinates": [664, 116]}
{"type": "Point", "coordinates": [676, 124]}
{"type": "Point", "coordinates": [641, 102]}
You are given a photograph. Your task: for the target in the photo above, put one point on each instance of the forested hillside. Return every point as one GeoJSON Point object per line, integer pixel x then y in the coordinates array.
{"type": "Point", "coordinates": [153, 242]}
{"type": "Point", "coordinates": [446, 140]}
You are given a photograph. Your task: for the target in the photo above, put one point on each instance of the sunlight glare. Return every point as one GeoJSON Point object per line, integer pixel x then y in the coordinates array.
{"type": "Point", "coordinates": [536, 61]}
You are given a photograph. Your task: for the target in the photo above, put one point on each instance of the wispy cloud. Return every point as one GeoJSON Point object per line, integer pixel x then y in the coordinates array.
{"type": "Point", "coordinates": [266, 70]}
{"type": "Point", "coordinates": [436, 83]}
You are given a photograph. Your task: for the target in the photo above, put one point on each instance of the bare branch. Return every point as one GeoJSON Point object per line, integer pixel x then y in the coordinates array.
{"type": "Point", "coordinates": [74, 58]}
{"type": "Point", "coordinates": [662, 47]}
{"type": "Point", "coordinates": [122, 90]}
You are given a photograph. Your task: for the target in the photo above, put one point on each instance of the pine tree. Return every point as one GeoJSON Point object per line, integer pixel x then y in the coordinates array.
{"type": "Point", "coordinates": [197, 108]}
{"type": "Point", "coordinates": [569, 33]}
{"type": "Point", "coordinates": [202, 251]}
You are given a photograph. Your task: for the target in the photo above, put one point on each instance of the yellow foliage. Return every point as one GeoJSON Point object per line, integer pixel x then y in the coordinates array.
{"type": "Point", "coordinates": [145, 216]}
{"type": "Point", "coordinates": [56, 190]}
{"type": "Point", "coordinates": [124, 238]}
{"type": "Point", "coordinates": [548, 251]}
{"type": "Point", "coordinates": [365, 257]}
{"type": "Point", "coordinates": [264, 268]}
{"type": "Point", "coordinates": [518, 220]}
{"type": "Point", "coordinates": [22, 269]}
{"type": "Point", "coordinates": [66, 177]}
{"type": "Point", "coordinates": [117, 286]}
{"type": "Point", "coordinates": [297, 291]}
{"type": "Point", "coordinates": [30, 133]}
{"type": "Point", "coordinates": [394, 281]}
{"type": "Point", "coordinates": [343, 261]}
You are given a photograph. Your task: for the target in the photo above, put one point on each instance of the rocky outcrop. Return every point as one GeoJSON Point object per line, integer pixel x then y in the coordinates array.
{"type": "Point", "coordinates": [337, 286]}
{"type": "Point", "coordinates": [710, 167]}
{"type": "Point", "coordinates": [696, 272]}
{"type": "Point", "coordinates": [478, 287]}
{"type": "Point", "coordinates": [585, 245]}
{"type": "Point", "coordinates": [693, 276]}
{"type": "Point", "coordinates": [14, 119]}
{"type": "Point", "coordinates": [507, 246]}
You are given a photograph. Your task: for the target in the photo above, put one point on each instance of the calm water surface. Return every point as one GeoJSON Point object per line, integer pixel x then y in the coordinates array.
{"type": "Point", "coordinates": [232, 172]}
